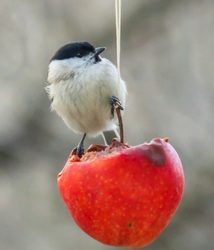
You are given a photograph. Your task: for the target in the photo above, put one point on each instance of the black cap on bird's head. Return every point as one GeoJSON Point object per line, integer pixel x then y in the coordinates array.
{"type": "Point", "coordinates": [79, 50]}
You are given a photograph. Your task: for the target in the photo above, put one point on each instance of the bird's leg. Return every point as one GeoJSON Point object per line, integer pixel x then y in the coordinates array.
{"type": "Point", "coordinates": [117, 105]}
{"type": "Point", "coordinates": [80, 147]}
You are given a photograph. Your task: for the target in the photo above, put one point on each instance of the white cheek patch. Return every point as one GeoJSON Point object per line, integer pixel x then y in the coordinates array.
{"type": "Point", "coordinates": [67, 68]}
{"type": "Point", "coordinates": [59, 70]}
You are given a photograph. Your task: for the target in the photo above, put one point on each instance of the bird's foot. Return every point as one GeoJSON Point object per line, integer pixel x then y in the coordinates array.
{"type": "Point", "coordinates": [79, 150]}
{"type": "Point", "coordinates": [115, 104]}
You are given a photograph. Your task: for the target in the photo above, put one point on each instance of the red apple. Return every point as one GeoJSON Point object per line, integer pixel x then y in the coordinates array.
{"type": "Point", "coordinates": [124, 196]}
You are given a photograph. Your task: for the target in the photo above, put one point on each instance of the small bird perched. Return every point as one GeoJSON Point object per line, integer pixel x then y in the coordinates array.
{"type": "Point", "coordinates": [84, 89]}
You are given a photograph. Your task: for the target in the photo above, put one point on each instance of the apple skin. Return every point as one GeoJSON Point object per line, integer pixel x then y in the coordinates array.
{"type": "Point", "coordinates": [126, 198]}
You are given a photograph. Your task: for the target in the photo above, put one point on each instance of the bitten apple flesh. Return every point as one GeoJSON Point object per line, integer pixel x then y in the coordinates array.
{"type": "Point", "coordinates": [124, 196]}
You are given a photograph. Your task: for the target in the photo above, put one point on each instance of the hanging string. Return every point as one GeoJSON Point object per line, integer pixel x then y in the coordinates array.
{"type": "Point", "coordinates": [118, 43]}
{"type": "Point", "coordinates": [118, 33]}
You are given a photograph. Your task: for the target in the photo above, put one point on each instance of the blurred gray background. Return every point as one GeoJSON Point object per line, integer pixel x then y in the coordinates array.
{"type": "Point", "coordinates": [168, 63]}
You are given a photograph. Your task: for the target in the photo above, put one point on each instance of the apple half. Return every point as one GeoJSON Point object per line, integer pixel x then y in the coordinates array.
{"type": "Point", "coordinates": [122, 195]}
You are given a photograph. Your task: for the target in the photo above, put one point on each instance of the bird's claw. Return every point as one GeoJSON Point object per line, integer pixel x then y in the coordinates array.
{"type": "Point", "coordinates": [115, 104]}
{"type": "Point", "coordinates": [79, 151]}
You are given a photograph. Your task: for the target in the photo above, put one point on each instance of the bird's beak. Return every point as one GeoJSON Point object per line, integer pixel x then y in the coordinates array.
{"type": "Point", "coordinates": [99, 50]}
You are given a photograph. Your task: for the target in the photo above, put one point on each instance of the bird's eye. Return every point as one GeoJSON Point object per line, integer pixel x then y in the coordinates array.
{"type": "Point", "coordinates": [80, 54]}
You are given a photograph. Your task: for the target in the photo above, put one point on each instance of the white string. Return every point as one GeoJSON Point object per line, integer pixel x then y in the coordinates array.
{"type": "Point", "coordinates": [118, 33]}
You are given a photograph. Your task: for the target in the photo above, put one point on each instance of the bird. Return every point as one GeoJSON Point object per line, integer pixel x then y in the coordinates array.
{"type": "Point", "coordinates": [85, 89]}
